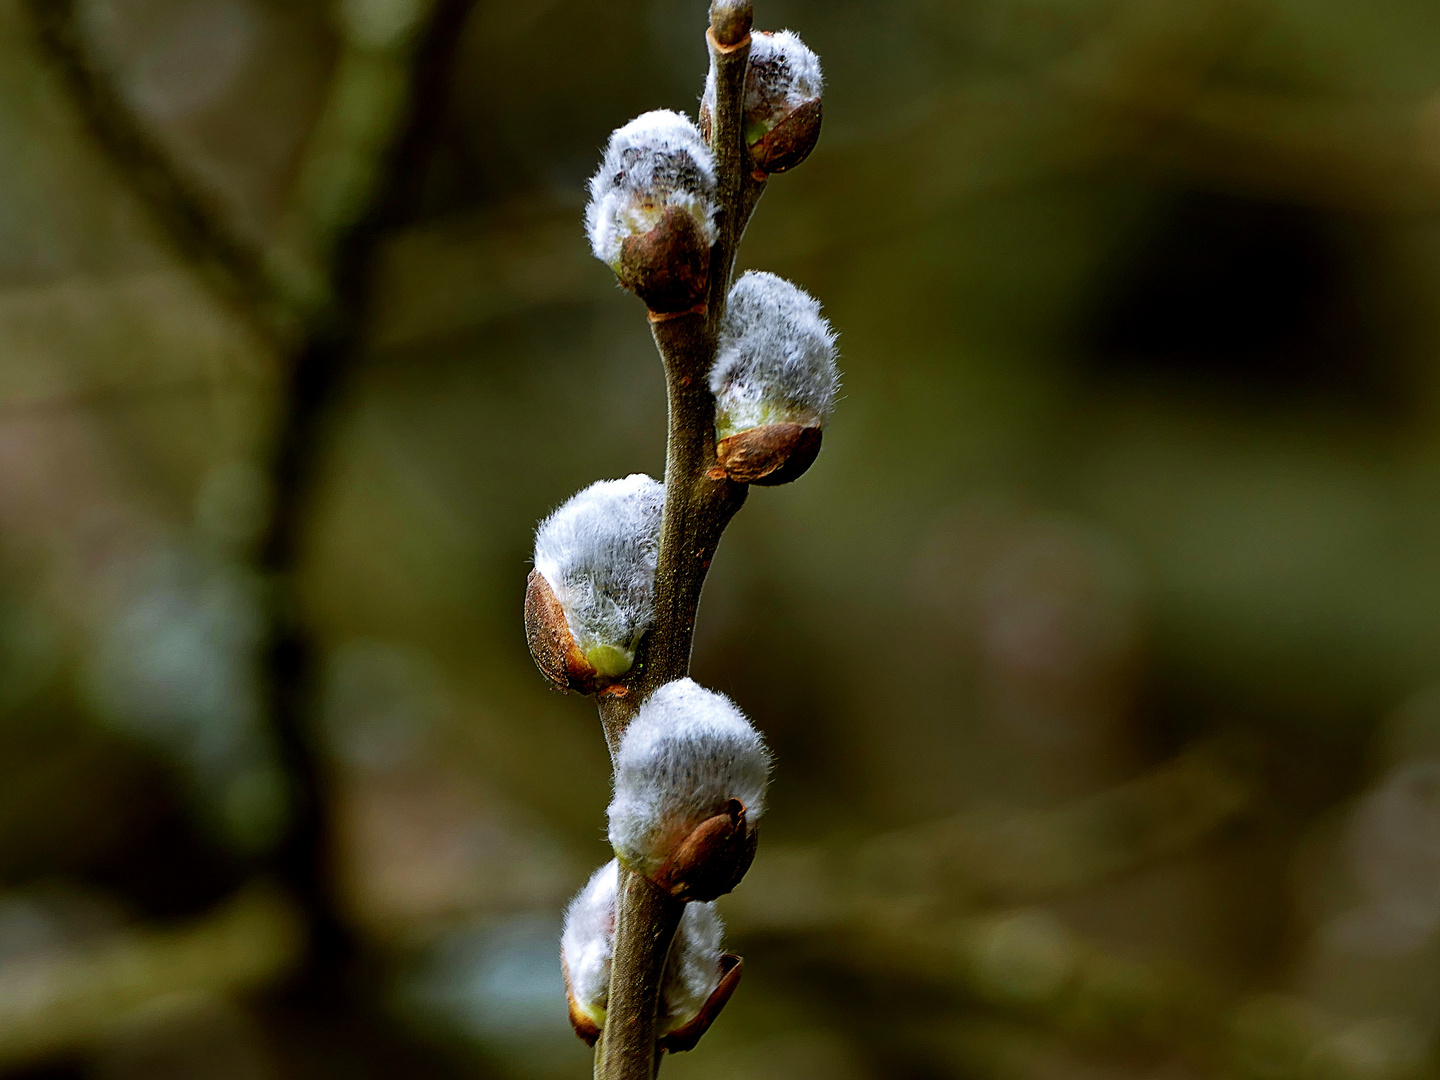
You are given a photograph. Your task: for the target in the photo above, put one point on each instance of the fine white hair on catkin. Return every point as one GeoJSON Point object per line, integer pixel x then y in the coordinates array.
{"type": "Point", "coordinates": [784, 73]}
{"type": "Point", "coordinates": [686, 754]}
{"type": "Point", "coordinates": [598, 552]}
{"type": "Point", "coordinates": [587, 946]}
{"type": "Point", "coordinates": [693, 970]}
{"type": "Point", "coordinates": [657, 160]}
{"type": "Point", "coordinates": [776, 360]}
{"type": "Point", "coordinates": [588, 940]}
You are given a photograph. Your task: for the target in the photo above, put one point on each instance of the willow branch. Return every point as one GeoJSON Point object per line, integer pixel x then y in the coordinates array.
{"type": "Point", "coordinates": [697, 509]}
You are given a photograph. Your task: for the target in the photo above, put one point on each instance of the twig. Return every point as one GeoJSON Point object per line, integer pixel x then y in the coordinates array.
{"type": "Point", "coordinates": [697, 509]}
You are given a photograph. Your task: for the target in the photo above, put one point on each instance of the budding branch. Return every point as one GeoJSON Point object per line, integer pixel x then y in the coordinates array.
{"type": "Point", "coordinates": [697, 509]}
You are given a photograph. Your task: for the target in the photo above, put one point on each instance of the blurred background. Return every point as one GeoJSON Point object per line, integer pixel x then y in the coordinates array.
{"type": "Point", "coordinates": [1099, 651]}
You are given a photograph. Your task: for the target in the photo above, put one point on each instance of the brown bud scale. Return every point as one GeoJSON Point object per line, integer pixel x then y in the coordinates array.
{"type": "Point", "coordinates": [585, 1028]}
{"type": "Point", "coordinates": [685, 1037]}
{"type": "Point", "coordinates": [790, 141]}
{"type": "Point", "coordinates": [769, 454]}
{"type": "Point", "coordinates": [710, 861]}
{"type": "Point", "coordinates": [552, 646]}
{"type": "Point", "coordinates": [669, 266]}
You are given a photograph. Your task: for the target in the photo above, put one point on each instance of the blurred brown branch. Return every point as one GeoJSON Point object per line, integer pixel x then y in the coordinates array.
{"type": "Point", "coordinates": [309, 298]}
{"type": "Point", "coordinates": [188, 217]}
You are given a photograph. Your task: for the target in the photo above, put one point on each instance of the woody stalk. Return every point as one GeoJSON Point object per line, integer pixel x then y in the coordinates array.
{"type": "Point", "coordinates": [610, 607]}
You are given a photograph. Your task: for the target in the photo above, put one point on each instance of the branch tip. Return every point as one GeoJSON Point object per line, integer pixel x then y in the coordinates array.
{"type": "Point", "coordinates": [730, 22]}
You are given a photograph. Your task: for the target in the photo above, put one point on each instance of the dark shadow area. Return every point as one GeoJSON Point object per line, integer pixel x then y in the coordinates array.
{"type": "Point", "coordinates": [1251, 299]}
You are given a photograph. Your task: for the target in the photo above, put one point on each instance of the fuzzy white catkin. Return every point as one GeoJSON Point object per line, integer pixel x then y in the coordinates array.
{"type": "Point", "coordinates": [587, 947]}
{"type": "Point", "coordinates": [598, 553]}
{"type": "Point", "coordinates": [685, 755]}
{"type": "Point", "coordinates": [693, 969]}
{"type": "Point", "coordinates": [655, 161]}
{"type": "Point", "coordinates": [776, 360]}
{"type": "Point", "coordinates": [784, 73]}
{"type": "Point", "coordinates": [587, 942]}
